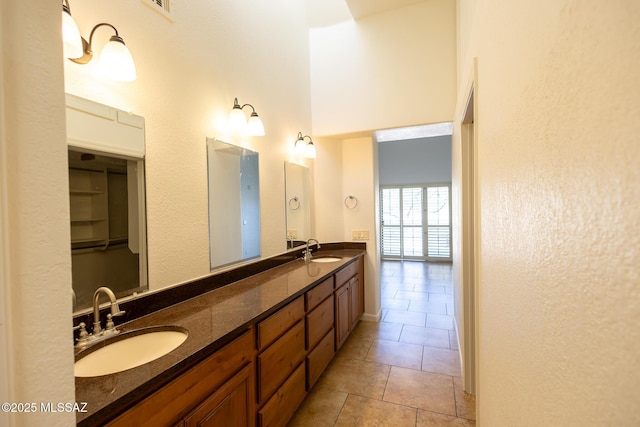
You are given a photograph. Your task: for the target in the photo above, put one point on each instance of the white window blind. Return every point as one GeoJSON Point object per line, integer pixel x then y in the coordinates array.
{"type": "Point", "coordinates": [416, 222]}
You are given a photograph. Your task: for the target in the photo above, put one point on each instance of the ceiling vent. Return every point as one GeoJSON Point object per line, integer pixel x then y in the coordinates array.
{"type": "Point", "coordinates": [161, 6]}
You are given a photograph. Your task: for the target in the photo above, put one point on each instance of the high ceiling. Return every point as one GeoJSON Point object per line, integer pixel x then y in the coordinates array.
{"type": "Point", "coordinates": [329, 12]}
{"type": "Point", "coordinates": [361, 8]}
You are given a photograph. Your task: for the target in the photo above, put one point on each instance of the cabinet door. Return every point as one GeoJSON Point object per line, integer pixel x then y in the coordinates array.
{"type": "Point", "coordinates": [357, 300]}
{"type": "Point", "coordinates": [229, 406]}
{"type": "Point", "coordinates": [343, 320]}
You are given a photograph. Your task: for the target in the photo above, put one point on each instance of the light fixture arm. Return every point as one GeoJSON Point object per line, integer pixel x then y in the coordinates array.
{"type": "Point", "coordinates": [236, 104]}
{"type": "Point", "coordinates": [86, 46]}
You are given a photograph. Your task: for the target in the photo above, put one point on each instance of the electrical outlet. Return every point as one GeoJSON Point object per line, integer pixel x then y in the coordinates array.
{"type": "Point", "coordinates": [292, 234]}
{"type": "Point", "coordinates": [360, 234]}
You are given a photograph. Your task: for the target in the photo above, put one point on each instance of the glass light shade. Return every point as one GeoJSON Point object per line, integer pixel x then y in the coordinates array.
{"type": "Point", "coordinates": [237, 120]}
{"type": "Point", "coordinates": [71, 41]}
{"type": "Point", "coordinates": [310, 151]}
{"type": "Point", "coordinates": [301, 146]}
{"type": "Point", "coordinates": [116, 61]}
{"type": "Point", "coordinates": [255, 126]}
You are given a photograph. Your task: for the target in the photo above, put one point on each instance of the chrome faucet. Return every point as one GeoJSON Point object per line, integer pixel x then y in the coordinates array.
{"type": "Point", "coordinates": [99, 334]}
{"type": "Point", "coordinates": [115, 311]}
{"type": "Point", "coordinates": [307, 252]}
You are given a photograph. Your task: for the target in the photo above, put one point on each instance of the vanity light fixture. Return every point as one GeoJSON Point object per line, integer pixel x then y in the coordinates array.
{"type": "Point", "coordinates": [238, 121]}
{"type": "Point", "coordinates": [115, 62]}
{"type": "Point", "coordinates": [304, 148]}
{"type": "Point", "coordinates": [71, 40]}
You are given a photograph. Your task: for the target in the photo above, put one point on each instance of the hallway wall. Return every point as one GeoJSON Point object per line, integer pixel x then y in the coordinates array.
{"type": "Point", "coordinates": [559, 185]}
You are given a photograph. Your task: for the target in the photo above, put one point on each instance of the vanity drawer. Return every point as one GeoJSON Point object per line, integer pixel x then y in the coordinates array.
{"type": "Point", "coordinates": [281, 407]}
{"type": "Point", "coordinates": [319, 321]}
{"type": "Point", "coordinates": [277, 362]}
{"type": "Point", "coordinates": [316, 295]}
{"type": "Point", "coordinates": [319, 358]}
{"type": "Point", "coordinates": [346, 273]}
{"type": "Point", "coordinates": [277, 324]}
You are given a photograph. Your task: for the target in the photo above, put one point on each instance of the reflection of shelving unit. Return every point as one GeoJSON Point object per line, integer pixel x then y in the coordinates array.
{"type": "Point", "coordinates": [89, 207]}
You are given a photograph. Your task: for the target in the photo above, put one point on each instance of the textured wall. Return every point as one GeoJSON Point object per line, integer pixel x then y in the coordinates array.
{"type": "Point", "coordinates": [559, 183]}
{"type": "Point", "coordinates": [189, 72]}
{"type": "Point", "coordinates": [35, 220]}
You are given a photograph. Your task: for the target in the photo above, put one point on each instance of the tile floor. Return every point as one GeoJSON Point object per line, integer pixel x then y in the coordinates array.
{"type": "Point", "coordinates": [403, 371]}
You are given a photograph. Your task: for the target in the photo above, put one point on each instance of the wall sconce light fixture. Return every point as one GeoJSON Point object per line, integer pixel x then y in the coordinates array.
{"type": "Point", "coordinates": [304, 148]}
{"type": "Point", "coordinates": [238, 121]}
{"type": "Point", "coordinates": [115, 61]}
{"type": "Point", "coordinates": [72, 42]}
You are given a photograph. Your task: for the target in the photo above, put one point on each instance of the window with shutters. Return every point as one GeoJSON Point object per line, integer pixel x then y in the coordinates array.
{"type": "Point", "coordinates": [416, 222]}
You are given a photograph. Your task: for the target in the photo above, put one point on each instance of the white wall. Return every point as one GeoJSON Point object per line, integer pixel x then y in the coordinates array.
{"type": "Point", "coordinates": [387, 70]}
{"type": "Point", "coordinates": [189, 72]}
{"type": "Point", "coordinates": [558, 154]}
{"type": "Point", "coordinates": [36, 272]}
{"type": "Point", "coordinates": [415, 161]}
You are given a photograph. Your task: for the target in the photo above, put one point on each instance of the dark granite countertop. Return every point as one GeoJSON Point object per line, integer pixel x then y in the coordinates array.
{"type": "Point", "coordinates": [212, 319]}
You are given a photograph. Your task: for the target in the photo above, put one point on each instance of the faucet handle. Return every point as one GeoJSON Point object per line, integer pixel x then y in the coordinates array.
{"type": "Point", "coordinates": [82, 335]}
{"type": "Point", "coordinates": [110, 325]}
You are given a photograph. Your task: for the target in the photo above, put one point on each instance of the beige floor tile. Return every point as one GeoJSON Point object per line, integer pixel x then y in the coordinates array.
{"type": "Point", "coordinates": [440, 321]}
{"type": "Point", "coordinates": [396, 354]}
{"type": "Point", "coordinates": [428, 307]}
{"type": "Point", "coordinates": [465, 402]}
{"type": "Point", "coordinates": [396, 304]}
{"type": "Point", "coordinates": [432, 419]}
{"type": "Point", "coordinates": [380, 330]}
{"type": "Point", "coordinates": [422, 390]}
{"type": "Point", "coordinates": [320, 409]}
{"type": "Point", "coordinates": [359, 377]}
{"type": "Point", "coordinates": [356, 347]}
{"type": "Point", "coordinates": [425, 336]}
{"type": "Point", "coordinates": [441, 361]}
{"type": "Point", "coordinates": [413, 296]}
{"type": "Point", "coordinates": [361, 412]}
{"type": "Point", "coordinates": [405, 317]}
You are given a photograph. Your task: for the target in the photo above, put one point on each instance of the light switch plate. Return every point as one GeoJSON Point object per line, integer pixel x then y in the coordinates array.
{"type": "Point", "coordinates": [360, 234]}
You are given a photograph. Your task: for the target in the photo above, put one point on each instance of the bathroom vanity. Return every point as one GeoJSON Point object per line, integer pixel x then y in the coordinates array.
{"type": "Point", "coordinates": [255, 348]}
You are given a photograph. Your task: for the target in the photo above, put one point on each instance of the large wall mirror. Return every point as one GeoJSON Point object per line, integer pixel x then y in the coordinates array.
{"type": "Point", "coordinates": [298, 204]}
{"type": "Point", "coordinates": [234, 204]}
{"type": "Point", "coordinates": [106, 200]}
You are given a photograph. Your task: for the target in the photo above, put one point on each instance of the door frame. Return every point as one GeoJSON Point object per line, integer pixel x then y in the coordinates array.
{"type": "Point", "coordinates": [470, 239]}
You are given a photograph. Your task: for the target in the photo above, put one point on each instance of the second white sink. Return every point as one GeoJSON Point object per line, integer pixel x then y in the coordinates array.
{"type": "Point", "coordinates": [128, 352]}
{"type": "Point", "coordinates": [326, 259]}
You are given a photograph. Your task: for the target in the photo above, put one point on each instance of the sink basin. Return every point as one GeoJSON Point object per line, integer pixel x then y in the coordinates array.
{"type": "Point", "coordinates": [326, 259]}
{"type": "Point", "coordinates": [128, 350]}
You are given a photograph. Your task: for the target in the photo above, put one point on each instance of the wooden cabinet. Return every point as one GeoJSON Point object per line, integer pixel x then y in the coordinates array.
{"type": "Point", "coordinates": [221, 386]}
{"type": "Point", "coordinates": [230, 406]}
{"type": "Point", "coordinates": [343, 320]}
{"type": "Point", "coordinates": [319, 358]}
{"type": "Point", "coordinates": [277, 362]}
{"type": "Point", "coordinates": [281, 364]}
{"type": "Point", "coordinates": [357, 300]}
{"type": "Point", "coordinates": [283, 404]}
{"type": "Point", "coordinates": [349, 300]}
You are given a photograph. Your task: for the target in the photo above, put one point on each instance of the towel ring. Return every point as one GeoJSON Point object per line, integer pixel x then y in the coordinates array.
{"type": "Point", "coordinates": [351, 201]}
{"type": "Point", "coordinates": [294, 203]}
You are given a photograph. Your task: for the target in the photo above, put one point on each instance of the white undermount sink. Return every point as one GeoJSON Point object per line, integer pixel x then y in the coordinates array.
{"type": "Point", "coordinates": [129, 350]}
{"type": "Point", "coordinates": [326, 259]}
